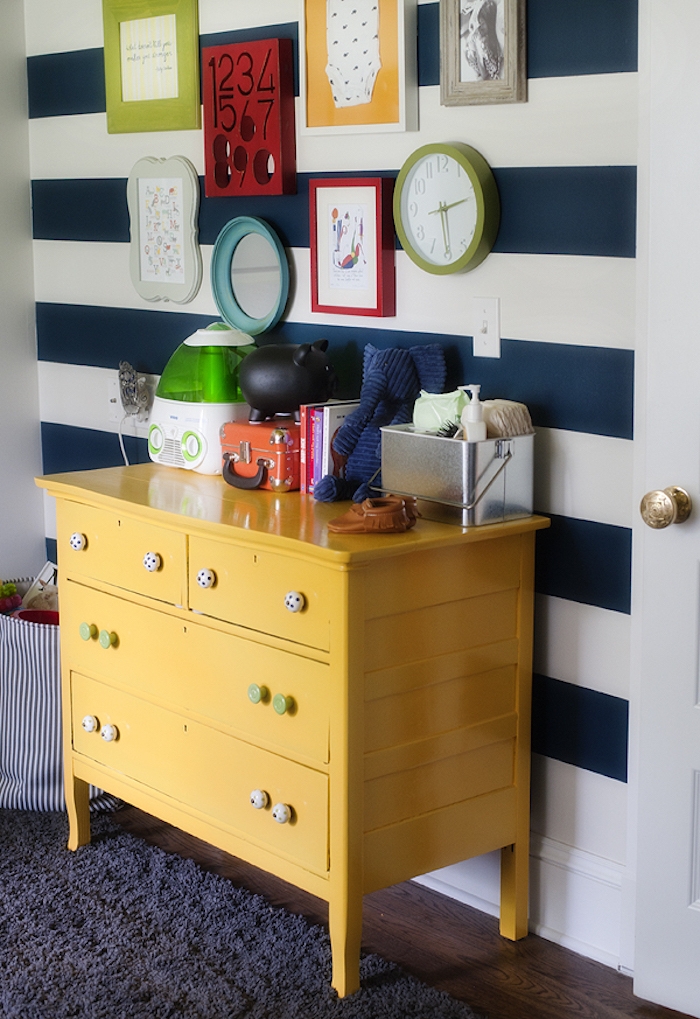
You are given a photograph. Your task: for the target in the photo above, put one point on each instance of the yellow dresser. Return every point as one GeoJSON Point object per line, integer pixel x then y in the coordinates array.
{"type": "Point", "coordinates": [345, 712]}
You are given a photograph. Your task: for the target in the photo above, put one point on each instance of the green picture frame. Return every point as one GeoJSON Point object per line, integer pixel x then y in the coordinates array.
{"type": "Point", "coordinates": [151, 59]}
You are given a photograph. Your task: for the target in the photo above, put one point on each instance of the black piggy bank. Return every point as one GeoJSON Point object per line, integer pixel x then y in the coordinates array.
{"type": "Point", "coordinates": [278, 378]}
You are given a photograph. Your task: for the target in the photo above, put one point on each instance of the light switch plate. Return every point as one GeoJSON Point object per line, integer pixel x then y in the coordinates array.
{"type": "Point", "coordinates": [486, 325]}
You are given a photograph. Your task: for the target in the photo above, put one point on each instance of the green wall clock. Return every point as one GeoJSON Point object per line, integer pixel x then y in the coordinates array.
{"type": "Point", "coordinates": [446, 208]}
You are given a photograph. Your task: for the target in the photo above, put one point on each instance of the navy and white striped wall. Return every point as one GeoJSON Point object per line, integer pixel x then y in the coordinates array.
{"type": "Point", "coordinates": [563, 267]}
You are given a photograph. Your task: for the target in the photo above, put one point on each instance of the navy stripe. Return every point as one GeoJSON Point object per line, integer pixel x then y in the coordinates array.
{"type": "Point", "coordinates": [65, 448]}
{"type": "Point", "coordinates": [580, 726]}
{"type": "Point", "coordinates": [64, 84]}
{"type": "Point", "coordinates": [80, 210]}
{"type": "Point", "coordinates": [583, 389]}
{"type": "Point", "coordinates": [585, 561]}
{"type": "Point", "coordinates": [595, 37]}
{"type": "Point", "coordinates": [568, 210]}
{"type": "Point", "coordinates": [51, 550]}
{"type": "Point", "coordinates": [583, 210]}
{"type": "Point", "coordinates": [429, 44]}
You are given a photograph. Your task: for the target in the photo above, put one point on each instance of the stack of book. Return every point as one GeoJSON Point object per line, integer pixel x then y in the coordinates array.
{"type": "Point", "coordinates": [318, 424]}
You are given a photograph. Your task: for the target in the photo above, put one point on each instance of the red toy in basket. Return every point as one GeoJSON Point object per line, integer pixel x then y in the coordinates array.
{"type": "Point", "coordinates": [264, 455]}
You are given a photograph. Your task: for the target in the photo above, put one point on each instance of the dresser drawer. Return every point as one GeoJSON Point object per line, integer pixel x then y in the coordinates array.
{"type": "Point", "coordinates": [252, 588]}
{"type": "Point", "coordinates": [205, 768]}
{"type": "Point", "coordinates": [112, 548]}
{"type": "Point", "coordinates": [196, 668]}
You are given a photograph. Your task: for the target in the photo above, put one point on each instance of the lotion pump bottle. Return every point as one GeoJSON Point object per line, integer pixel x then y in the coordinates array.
{"type": "Point", "coordinates": [473, 416]}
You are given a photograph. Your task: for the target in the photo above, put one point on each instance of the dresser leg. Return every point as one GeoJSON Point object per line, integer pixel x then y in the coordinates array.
{"type": "Point", "coordinates": [345, 923]}
{"type": "Point", "coordinates": [78, 806]}
{"type": "Point", "coordinates": [515, 863]}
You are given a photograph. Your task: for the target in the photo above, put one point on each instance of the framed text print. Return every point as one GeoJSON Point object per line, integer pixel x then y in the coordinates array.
{"type": "Point", "coordinates": [357, 68]}
{"type": "Point", "coordinates": [482, 52]}
{"type": "Point", "coordinates": [248, 99]}
{"type": "Point", "coordinates": [151, 65]}
{"type": "Point", "coordinates": [352, 245]}
{"type": "Point", "coordinates": [165, 259]}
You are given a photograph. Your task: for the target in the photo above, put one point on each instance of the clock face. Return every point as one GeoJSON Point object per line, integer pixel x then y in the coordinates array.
{"type": "Point", "coordinates": [446, 208]}
{"type": "Point", "coordinates": [248, 103]}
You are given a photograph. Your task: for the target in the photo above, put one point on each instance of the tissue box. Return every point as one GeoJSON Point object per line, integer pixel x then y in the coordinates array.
{"type": "Point", "coordinates": [466, 483]}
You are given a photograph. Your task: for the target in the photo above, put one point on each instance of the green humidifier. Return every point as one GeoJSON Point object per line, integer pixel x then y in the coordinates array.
{"type": "Point", "coordinates": [198, 392]}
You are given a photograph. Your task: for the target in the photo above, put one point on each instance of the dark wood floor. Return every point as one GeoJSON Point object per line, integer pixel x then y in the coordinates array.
{"type": "Point", "coordinates": [442, 942]}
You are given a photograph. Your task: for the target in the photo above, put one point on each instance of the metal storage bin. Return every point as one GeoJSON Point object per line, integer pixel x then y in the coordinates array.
{"type": "Point", "coordinates": [466, 483]}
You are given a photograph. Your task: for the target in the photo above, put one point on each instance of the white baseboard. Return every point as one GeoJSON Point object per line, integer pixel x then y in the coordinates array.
{"type": "Point", "coordinates": [575, 896]}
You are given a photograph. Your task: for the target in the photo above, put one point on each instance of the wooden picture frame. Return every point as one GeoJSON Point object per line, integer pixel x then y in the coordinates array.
{"type": "Point", "coordinates": [482, 52]}
{"type": "Point", "coordinates": [165, 260]}
{"type": "Point", "coordinates": [377, 67]}
{"type": "Point", "coordinates": [352, 246]}
{"type": "Point", "coordinates": [151, 58]}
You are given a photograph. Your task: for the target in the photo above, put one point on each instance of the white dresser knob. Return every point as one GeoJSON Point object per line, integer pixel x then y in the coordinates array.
{"type": "Point", "coordinates": [259, 798]}
{"type": "Point", "coordinates": [294, 601]}
{"type": "Point", "coordinates": [109, 733]}
{"type": "Point", "coordinates": [206, 578]}
{"type": "Point", "coordinates": [152, 562]}
{"type": "Point", "coordinates": [282, 813]}
{"type": "Point", "coordinates": [77, 541]}
{"type": "Point", "coordinates": [90, 723]}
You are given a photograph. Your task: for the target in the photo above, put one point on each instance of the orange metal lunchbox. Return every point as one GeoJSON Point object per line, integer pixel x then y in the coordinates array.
{"type": "Point", "coordinates": [263, 455]}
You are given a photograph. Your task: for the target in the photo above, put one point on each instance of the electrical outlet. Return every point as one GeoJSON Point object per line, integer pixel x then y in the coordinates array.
{"type": "Point", "coordinates": [486, 325]}
{"type": "Point", "coordinates": [115, 409]}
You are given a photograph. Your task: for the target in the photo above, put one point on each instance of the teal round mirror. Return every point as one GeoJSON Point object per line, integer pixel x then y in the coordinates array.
{"type": "Point", "coordinates": [249, 275]}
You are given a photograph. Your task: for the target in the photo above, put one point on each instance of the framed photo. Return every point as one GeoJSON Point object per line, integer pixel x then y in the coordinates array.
{"type": "Point", "coordinates": [165, 260]}
{"type": "Point", "coordinates": [151, 65]}
{"type": "Point", "coordinates": [352, 246]}
{"type": "Point", "coordinates": [482, 52]}
{"type": "Point", "coordinates": [358, 68]}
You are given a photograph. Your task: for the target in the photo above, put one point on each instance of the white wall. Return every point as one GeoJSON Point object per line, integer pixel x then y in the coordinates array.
{"type": "Point", "coordinates": [21, 518]}
{"type": "Point", "coordinates": [581, 300]}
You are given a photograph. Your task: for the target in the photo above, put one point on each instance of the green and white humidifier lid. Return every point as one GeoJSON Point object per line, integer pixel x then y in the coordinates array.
{"type": "Point", "coordinates": [198, 392]}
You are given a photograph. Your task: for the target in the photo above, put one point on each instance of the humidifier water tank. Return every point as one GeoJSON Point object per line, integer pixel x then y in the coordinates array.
{"type": "Point", "coordinates": [198, 392]}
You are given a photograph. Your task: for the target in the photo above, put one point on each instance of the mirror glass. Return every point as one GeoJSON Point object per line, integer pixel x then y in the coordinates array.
{"type": "Point", "coordinates": [256, 276]}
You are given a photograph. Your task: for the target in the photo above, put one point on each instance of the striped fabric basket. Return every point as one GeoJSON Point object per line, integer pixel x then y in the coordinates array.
{"type": "Point", "coordinates": [31, 762]}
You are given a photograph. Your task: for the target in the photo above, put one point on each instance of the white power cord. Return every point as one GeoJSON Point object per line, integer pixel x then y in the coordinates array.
{"type": "Point", "coordinates": [135, 399]}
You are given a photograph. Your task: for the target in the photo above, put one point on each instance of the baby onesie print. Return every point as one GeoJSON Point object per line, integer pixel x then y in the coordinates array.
{"type": "Point", "coordinates": [352, 38]}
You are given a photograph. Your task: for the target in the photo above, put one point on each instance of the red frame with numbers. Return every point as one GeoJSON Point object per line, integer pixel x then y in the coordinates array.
{"type": "Point", "coordinates": [248, 104]}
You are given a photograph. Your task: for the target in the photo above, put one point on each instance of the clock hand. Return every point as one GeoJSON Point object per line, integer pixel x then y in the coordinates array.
{"type": "Point", "coordinates": [443, 224]}
{"type": "Point", "coordinates": [452, 204]}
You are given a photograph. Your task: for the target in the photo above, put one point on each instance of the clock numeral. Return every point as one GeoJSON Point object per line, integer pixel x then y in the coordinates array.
{"type": "Point", "coordinates": [442, 164]}
{"type": "Point", "coordinates": [419, 186]}
{"type": "Point", "coordinates": [263, 69]}
{"type": "Point", "coordinates": [413, 208]}
{"type": "Point", "coordinates": [465, 243]}
{"type": "Point", "coordinates": [270, 103]}
{"type": "Point", "coordinates": [221, 150]}
{"type": "Point", "coordinates": [223, 85]}
{"type": "Point", "coordinates": [420, 232]}
{"type": "Point", "coordinates": [246, 74]}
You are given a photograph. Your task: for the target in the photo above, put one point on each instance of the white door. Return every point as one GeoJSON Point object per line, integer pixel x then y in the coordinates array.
{"type": "Point", "coordinates": [666, 602]}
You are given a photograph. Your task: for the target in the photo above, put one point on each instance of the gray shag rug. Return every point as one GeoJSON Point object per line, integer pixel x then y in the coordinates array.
{"type": "Point", "coordinates": [122, 930]}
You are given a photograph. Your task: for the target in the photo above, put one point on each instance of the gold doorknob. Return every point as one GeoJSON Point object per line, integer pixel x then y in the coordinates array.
{"type": "Point", "coordinates": [663, 507]}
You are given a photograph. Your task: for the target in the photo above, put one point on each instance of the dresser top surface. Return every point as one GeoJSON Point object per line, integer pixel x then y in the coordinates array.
{"type": "Point", "coordinates": [205, 504]}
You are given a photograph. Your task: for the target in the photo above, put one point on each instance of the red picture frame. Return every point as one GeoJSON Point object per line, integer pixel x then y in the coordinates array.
{"type": "Point", "coordinates": [352, 246]}
{"type": "Point", "coordinates": [248, 114]}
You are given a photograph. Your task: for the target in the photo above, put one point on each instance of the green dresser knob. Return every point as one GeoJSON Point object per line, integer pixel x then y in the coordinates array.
{"type": "Point", "coordinates": [108, 639]}
{"type": "Point", "coordinates": [256, 693]}
{"type": "Point", "coordinates": [88, 631]}
{"type": "Point", "coordinates": [282, 704]}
